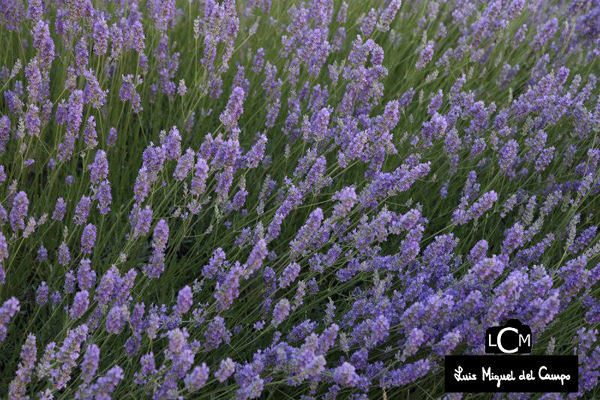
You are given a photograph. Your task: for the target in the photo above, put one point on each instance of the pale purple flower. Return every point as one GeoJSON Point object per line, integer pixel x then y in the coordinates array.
{"type": "Point", "coordinates": [4, 133]}
{"type": "Point", "coordinates": [3, 248]}
{"type": "Point", "coordinates": [190, 121]}
{"type": "Point", "coordinates": [197, 378]}
{"type": "Point", "coordinates": [32, 121]}
{"type": "Point", "coordinates": [56, 298]}
{"type": "Point", "coordinates": [226, 369]}
{"type": "Point", "coordinates": [272, 113]}
{"type": "Point", "coordinates": [7, 312]}
{"type": "Point", "coordinates": [111, 138]}
{"type": "Point", "coordinates": [184, 165]}
{"type": "Point", "coordinates": [256, 154]}
{"type": "Point", "coordinates": [108, 283]}
{"type": "Point", "coordinates": [368, 22]}
{"type": "Point", "coordinates": [41, 296]}
{"type": "Point", "coordinates": [448, 343]}
{"type": "Point", "coordinates": [161, 236]}
{"type": "Point", "coordinates": [289, 274]}
{"type": "Point", "coordinates": [64, 255]}
{"type": "Point", "coordinates": [545, 33]}
{"type": "Point", "coordinates": [80, 304]}
{"type": "Point", "coordinates": [230, 116]}
{"type": "Point", "coordinates": [215, 264]}
{"type": "Point", "coordinates": [200, 175]}
{"type": "Point", "coordinates": [82, 210]}
{"type": "Point", "coordinates": [181, 89]}
{"type": "Point", "coordinates": [259, 61]}
{"type": "Point", "coordinates": [184, 301]}
{"type": "Point", "coordinates": [42, 254]}
{"type": "Point", "coordinates": [141, 220]}
{"type": "Point", "coordinates": [306, 233]}
{"type": "Point", "coordinates": [148, 365]}
{"type": "Point", "coordinates": [544, 159]}
{"type": "Point", "coordinates": [18, 387]}
{"type": "Point", "coordinates": [88, 238]}
{"type": "Point", "coordinates": [65, 359]}
{"type": "Point", "coordinates": [104, 197]}
{"type": "Point", "coordinates": [89, 366]}
{"type": "Point", "coordinates": [36, 10]}
{"type": "Point", "coordinates": [216, 333]}
{"type": "Point", "coordinates": [20, 205]}
{"type": "Point", "coordinates": [345, 375]}
{"type": "Point", "coordinates": [172, 144]}
{"type": "Point", "coordinates": [228, 290]}
{"type": "Point", "coordinates": [407, 374]}
{"type": "Point", "coordinates": [99, 168]}
{"type": "Point", "coordinates": [388, 14]}
{"type": "Point", "coordinates": [69, 284]}
{"type": "Point", "coordinates": [426, 55]}
{"type": "Point", "coordinates": [86, 276]}
{"type": "Point", "coordinates": [508, 157]}
{"type": "Point", "coordinates": [81, 54]}
{"type": "Point", "coordinates": [514, 238]}
{"type": "Point", "coordinates": [106, 384]}
{"type": "Point", "coordinates": [137, 36]}
{"type": "Point", "coordinates": [256, 258]}
{"type": "Point", "coordinates": [100, 31]}
{"type": "Point", "coordinates": [483, 204]}
{"type": "Point", "coordinates": [159, 243]}
{"type": "Point", "coordinates": [116, 319]}
{"type": "Point", "coordinates": [280, 312]}
{"type": "Point", "coordinates": [259, 325]}
{"type": "Point", "coordinates": [89, 133]}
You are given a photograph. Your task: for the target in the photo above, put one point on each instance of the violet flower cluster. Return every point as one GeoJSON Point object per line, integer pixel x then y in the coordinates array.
{"type": "Point", "coordinates": [311, 199]}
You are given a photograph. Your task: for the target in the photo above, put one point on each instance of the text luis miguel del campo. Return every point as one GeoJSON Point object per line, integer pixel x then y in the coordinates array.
{"type": "Point", "coordinates": [509, 373]}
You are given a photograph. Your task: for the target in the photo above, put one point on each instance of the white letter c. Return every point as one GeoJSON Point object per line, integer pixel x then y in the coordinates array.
{"type": "Point", "coordinates": [498, 339]}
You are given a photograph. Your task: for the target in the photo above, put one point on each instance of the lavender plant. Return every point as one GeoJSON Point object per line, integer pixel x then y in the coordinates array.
{"type": "Point", "coordinates": [307, 199]}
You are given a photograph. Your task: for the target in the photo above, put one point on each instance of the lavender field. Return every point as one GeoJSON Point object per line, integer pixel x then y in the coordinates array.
{"type": "Point", "coordinates": [320, 199]}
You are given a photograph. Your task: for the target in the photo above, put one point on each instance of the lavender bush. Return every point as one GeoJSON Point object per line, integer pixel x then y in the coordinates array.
{"type": "Point", "coordinates": [293, 199]}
